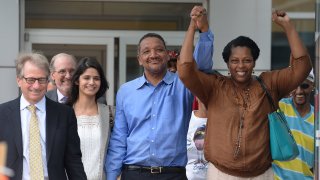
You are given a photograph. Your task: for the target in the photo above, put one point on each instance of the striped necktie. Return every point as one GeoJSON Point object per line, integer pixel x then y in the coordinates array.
{"type": "Point", "coordinates": [35, 155]}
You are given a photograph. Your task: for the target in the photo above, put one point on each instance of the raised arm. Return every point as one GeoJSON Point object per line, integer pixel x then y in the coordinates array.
{"type": "Point", "coordinates": [300, 64]}
{"type": "Point", "coordinates": [196, 15]}
{"type": "Point", "coordinates": [194, 80]}
{"type": "Point", "coordinates": [203, 51]}
{"type": "Point", "coordinates": [282, 19]}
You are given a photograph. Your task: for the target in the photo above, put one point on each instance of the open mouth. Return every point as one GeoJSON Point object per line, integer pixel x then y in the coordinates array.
{"type": "Point", "coordinates": [91, 88]}
{"type": "Point", "coordinates": [241, 73]}
{"type": "Point", "coordinates": [300, 96]}
{"type": "Point", "coordinates": [154, 62]}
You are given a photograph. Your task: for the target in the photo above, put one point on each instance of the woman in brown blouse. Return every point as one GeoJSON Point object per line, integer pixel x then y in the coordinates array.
{"type": "Point", "coordinates": [237, 134]}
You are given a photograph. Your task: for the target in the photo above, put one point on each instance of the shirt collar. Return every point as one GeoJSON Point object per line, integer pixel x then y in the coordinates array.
{"type": "Point", "coordinates": [168, 79]}
{"type": "Point", "coordinates": [41, 105]}
{"type": "Point", "coordinates": [60, 95]}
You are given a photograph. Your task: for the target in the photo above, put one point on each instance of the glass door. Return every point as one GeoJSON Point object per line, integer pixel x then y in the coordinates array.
{"type": "Point", "coordinates": [78, 43]}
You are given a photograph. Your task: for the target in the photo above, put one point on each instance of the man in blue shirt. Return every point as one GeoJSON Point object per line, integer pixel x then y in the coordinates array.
{"type": "Point", "coordinates": [153, 112]}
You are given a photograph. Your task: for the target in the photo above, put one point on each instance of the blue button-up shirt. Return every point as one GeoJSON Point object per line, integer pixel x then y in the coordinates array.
{"type": "Point", "coordinates": [151, 122]}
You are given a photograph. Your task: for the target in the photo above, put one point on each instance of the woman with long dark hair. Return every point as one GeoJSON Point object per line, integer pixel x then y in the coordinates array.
{"type": "Point", "coordinates": [89, 84]}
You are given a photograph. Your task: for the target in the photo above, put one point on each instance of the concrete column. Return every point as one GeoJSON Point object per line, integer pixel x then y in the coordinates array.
{"type": "Point", "coordinates": [9, 48]}
{"type": "Point", "coordinates": [230, 19]}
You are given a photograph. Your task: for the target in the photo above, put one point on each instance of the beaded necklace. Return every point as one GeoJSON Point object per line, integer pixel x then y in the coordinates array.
{"type": "Point", "coordinates": [244, 94]}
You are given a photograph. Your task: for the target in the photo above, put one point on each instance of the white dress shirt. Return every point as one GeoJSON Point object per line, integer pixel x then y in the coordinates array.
{"type": "Point", "coordinates": [25, 123]}
{"type": "Point", "coordinates": [61, 97]}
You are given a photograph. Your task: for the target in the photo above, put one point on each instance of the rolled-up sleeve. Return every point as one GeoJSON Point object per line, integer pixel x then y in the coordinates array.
{"type": "Point", "coordinates": [203, 51]}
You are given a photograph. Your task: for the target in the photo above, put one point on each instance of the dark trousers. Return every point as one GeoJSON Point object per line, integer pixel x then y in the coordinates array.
{"type": "Point", "coordinates": [138, 175]}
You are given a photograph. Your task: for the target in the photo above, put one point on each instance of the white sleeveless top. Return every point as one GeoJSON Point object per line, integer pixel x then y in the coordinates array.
{"type": "Point", "coordinates": [94, 135]}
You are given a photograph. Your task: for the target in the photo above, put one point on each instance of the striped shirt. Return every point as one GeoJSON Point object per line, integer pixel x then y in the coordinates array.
{"type": "Point", "coordinates": [303, 131]}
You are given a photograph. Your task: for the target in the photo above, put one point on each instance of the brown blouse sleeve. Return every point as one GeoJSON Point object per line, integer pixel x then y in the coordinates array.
{"type": "Point", "coordinates": [283, 81]}
{"type": "Point", "coordinates": [199, 83]}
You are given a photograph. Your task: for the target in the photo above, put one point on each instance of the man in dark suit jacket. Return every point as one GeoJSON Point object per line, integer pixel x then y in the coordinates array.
{"type": "Point", "coordinates": [62, 67]}
{"type": "Point", "coordinates": [57, 126]}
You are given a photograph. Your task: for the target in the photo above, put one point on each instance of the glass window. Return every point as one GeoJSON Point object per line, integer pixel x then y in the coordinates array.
{"type": "Point", "coordinates": [294, 5]}
{"type": "Point", "coordinates": [107, 15]}
{"type": "Point", "coordinates": [280, 50]}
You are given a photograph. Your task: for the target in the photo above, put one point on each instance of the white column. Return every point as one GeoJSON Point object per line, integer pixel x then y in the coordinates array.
{"type": "Point", "coordinates": [230, 19]}
{"type": "Point", "coordinates": [9, 48]}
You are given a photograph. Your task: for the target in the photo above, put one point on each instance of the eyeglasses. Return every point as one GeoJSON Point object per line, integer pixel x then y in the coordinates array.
{"type": "Point", "coordinates": [64, 72]}
{"type": "Point", "coordinates": [32, 80]}
{"type": "Point", "coordinates": [304, 86]}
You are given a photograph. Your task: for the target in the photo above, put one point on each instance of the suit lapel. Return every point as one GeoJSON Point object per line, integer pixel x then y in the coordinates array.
{"type": "Point", "coordinates": [51, 125]}
{"type": "Point", "coordinates": [53, 95]}
{"type": "Point", "coordinates": [14, 114]}
{"type": "Point", "coordinates": [56, 96]}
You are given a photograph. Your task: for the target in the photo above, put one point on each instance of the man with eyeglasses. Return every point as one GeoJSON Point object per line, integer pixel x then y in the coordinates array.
{"type": "Point", "coordinates": [41, 134]}
{"type": "Point", "coordinates": [62, 67]}
{"type": "Point", "coordinates": [300, 117]}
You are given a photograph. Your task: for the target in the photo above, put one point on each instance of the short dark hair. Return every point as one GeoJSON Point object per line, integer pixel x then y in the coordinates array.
{"type": "Point", "coordinates": [244, 42]}
{"type": "Point", "coordinates": [155, 35]}
{"type": "Point", "coordinates": [84, 64]}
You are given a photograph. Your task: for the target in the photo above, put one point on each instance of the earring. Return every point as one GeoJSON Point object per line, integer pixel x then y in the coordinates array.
{"type": "Point", "coordinates": [252, 71]}
{"type": "Point", "coordinates": [229, 73]}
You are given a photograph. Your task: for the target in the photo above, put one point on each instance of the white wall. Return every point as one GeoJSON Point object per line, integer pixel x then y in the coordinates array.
{"type": "Point", "coordinates": [252, 18]}
{"type": "Point", "coordinates": [9, 48]}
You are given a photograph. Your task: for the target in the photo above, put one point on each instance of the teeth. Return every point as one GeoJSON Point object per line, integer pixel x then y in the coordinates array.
{"type": "Point", "coordinates": [241, 73]}
{"type": "Point", "coordinates": [299, 96]}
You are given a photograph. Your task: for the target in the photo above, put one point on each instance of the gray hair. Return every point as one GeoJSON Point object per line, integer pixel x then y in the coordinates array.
{"type": "Point", "coordinates": [52, 67]}
{"type": "Point", "coordinates": [35, 58]}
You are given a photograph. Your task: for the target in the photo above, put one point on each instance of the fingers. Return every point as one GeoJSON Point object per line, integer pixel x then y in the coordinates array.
{"type": "Point", "coordinates": [282, 19]}
{"type": "Point", "coordinates": [199, 19]}
{"type": "Point", "coordinates": [280, 13]}
{"type": "Point", "coordinates": [198, 11]}
{"type": "Point", "coordinates": [276, 14]}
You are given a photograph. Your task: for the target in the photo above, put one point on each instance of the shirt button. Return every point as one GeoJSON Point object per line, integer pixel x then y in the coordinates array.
{"type": "Point", "coordinates": [152, 140]}
{"type": "Point", "coordinates": [153, 115]}
{"type": "Point", "coordinates": [152, 154]}
{"type": "Point", "coordinates": [152, 128]}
